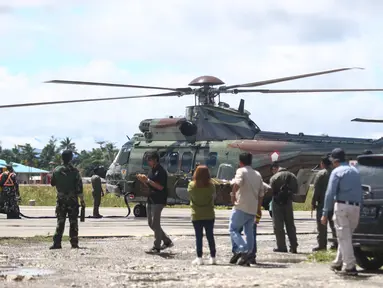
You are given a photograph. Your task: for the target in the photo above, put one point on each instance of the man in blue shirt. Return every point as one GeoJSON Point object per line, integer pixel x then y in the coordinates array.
{"type": "Point", "coordinates": [344, 193]}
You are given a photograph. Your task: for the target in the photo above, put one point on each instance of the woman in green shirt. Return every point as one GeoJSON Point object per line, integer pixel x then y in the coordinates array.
{"type": "Point", "coordinates": [202, 194]}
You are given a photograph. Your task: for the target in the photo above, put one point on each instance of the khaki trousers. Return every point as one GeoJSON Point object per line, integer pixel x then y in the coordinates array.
{"type": "Point", "coordinates": [346, 219]}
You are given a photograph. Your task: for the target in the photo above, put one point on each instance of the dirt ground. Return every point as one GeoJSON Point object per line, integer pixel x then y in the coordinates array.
{"type": "Point", "coordinates": [123, 263]}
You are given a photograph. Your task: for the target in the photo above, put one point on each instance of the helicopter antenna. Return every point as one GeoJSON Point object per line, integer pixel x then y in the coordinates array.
{"type": "Point", "coordinates": [241, 107]}
{"type": "Point", "coordinates": [127, 137]}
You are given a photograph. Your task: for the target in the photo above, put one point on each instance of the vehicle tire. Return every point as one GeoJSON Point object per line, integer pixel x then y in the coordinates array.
{"type": "Point", "coordinates": [143, 211]}
{"type": "Point", "coordinates": [139, 210]}
{"type": "Point", "coordinates": [368, 263]}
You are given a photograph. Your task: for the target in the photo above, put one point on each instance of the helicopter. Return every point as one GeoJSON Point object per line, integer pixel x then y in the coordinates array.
{"type": "Point", "coordinates": [214, 134]}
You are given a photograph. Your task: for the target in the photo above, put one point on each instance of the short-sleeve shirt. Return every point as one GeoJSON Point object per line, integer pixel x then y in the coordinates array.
{"type": "Point", "coordinates": [250, 188]}
{"type": "Point", "coordinates": [159, 175]}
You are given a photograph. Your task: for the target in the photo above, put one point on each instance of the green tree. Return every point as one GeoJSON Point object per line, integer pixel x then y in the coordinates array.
{"type": "Point", "coordinates": [28, 154]}
{"type": "Point", "coordinates": [7, 155]}
{"type": "Point", "coordinates": [16, 154]}
{"type": "Point", "coordinates": [48, 154]}
{"type": "Point", "coordinates": [67, 144]}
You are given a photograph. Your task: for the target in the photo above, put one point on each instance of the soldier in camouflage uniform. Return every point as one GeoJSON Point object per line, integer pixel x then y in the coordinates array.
{"type": "Point", "coordinates": [320, 186]}
{"type": "Point", "coordinates": [68, 183]}
{"type": "Point", "coordinates": [283, 184]}
{"type": "Point", "coordinates": [97, 192]}
{"type": "Point", "coordinates": [11, 194]}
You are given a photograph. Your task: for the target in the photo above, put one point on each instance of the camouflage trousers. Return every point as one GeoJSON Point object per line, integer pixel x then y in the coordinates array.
{"type": "Point", "coordinates": [96, 203]}
{"type": "Point", "coordinates": [10, 204]}
{"type": "Point", "coordinates": [64, 209]}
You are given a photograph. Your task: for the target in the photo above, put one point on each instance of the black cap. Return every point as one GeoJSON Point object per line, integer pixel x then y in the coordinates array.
{"type": "Point", "coordinates": [326, 160]}
{"type": "Point", "coordinates": [367, 152]}
{"type": "Point", "coordinates": [338, 155]}
{"type": "Point", "coordinates": [275, 164]}
{"type": "Point", "coordinates": [9, 167]}
{"type": "Point", "coordinates": [67, 155]}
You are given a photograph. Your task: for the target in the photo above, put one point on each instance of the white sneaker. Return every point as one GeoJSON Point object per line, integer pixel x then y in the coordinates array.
{"type": "Point", "coordinates": [213, 261]}
{"type": "Point", "coordinates": [197, 261]}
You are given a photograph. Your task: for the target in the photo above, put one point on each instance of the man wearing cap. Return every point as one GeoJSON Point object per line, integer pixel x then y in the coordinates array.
{"type": "Point", "coordinates": [320, 186]}
{"type": "Point", "coordinates": [343, 195]}
{"type": "Point", "coordinates": [68, 183]}
{"type": "Point", "coordinates": [97, 192]}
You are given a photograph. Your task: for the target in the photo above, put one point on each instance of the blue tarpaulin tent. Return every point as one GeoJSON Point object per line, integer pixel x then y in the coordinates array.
{"type": "Point", "coordinates": [20, 168]}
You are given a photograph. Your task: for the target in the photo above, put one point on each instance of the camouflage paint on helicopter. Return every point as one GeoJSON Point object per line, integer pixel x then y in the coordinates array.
{"type": "Point", "coordinates": [202, 137]}
{"type": "Point", "coordinates": [180, 157]}
{"type": "Point", "coordinates": [215, 135]}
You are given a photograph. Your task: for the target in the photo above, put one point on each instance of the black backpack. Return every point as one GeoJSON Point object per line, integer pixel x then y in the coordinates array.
{"type": "Point", "coordinates": [285, 193]}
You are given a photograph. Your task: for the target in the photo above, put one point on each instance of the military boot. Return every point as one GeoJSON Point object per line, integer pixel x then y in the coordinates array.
{"type": "Point", "coordinates": [334, 246]}
{"type": "Point", "coordinates": [55, 246]}
{"type": "Point", "coordinates": [318, 248]}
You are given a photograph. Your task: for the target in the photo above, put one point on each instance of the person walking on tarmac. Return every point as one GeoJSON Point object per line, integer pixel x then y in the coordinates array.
{"type": "Point", "coordinates": [10, 186]}
{"type": "Point", "coordinates": [283, 184]}
{"type": "Point", "coordinates": [156, 181]}
{"type": "Point", "coordinates": [68, 183]}
{"type": "Point", "coordinates": [320, 186]}
{"type": "Point", "coordinates": [97, 192]}
{"type": "Point", "coordinates": [345, 189]}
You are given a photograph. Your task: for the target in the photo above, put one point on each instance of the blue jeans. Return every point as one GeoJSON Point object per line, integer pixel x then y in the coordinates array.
{"type": "Point", "coordinates": [239, 220]}
{"type": "Point", "coordinates": [254, 252]}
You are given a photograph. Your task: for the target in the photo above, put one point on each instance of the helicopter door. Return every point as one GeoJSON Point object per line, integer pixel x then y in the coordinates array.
{"type": "Point", "coordinates": [305, 179]}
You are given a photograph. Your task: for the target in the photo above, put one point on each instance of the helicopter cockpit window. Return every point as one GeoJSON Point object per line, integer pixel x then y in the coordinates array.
{"type": "Point", "coordinates": [173, 162]}
{"type": "Point", "coordinates": [225, 172]}
{"type": "Point", "coordinates": [122, 156]}
{"type": "Point", "coordinates": [211, 160]}
{"type": "Point", "coordinates": [186, 162]}
{"type": "Point", "coordinates": [145, 164]}
{"type": "Point", "coordinates": [162, 158]}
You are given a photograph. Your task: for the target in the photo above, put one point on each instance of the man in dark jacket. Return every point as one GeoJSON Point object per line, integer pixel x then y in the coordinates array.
{"type": "Point", "coordinates": [283, 184]}
{"type": "Point", "coordinates": [320, 187]}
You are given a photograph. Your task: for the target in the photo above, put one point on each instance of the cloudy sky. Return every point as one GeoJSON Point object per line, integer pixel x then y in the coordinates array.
{"type": "Point", "coordinates": [171, 42]}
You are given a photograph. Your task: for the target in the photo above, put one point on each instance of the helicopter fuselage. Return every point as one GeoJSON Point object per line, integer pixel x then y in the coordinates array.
{"type": "Point", "coordinates": [299, 153]}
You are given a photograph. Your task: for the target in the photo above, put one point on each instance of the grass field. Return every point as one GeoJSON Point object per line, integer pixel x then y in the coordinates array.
{"type": "Point", "coordinates": [46, 196]}
{"type": "Point", "coordinates": [322, 256]}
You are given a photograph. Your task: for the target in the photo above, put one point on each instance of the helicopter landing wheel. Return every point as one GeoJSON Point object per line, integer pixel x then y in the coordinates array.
{"type": "Point", "coordinates": [139, 210]}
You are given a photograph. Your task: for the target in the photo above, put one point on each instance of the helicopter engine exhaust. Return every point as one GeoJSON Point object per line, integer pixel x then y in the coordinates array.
{"type": "Point", "coordinates": [188, 129]}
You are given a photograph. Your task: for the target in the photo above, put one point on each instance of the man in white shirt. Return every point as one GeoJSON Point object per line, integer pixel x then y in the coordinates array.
{"type": "Point", "coordinates": [234, 259]}
{"type": "Point", "coordinates": [247, 189]}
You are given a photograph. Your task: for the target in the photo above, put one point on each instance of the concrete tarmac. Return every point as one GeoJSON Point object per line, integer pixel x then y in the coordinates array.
{"type": "Point", "coordinates": [175, 221]}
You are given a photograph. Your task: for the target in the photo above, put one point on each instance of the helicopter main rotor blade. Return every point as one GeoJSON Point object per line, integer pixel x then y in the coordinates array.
{"type": "Point", "coordinates": [235, 91]}
{"type": "Point", "coordinates": [367, 120]}
{"type": "Point", "coordinates": [187, 89]}
{"type": "Point", "coordinates": [90, 100]}
{"type": "Point", "coordinates": [277, 80]}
